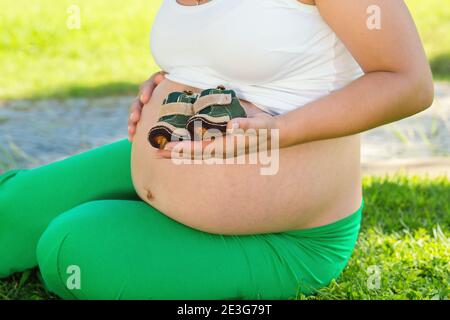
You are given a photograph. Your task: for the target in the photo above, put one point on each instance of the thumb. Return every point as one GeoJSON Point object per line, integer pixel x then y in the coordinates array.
{"type": "Point", "coordinates": [146, 94]}
{"type": "Point", "coordinates": [160, 76]}
{"type": "Point", "coordinates": [238, 124]}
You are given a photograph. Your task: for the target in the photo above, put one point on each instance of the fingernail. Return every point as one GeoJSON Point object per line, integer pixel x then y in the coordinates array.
{"type": "Point", "coordinates": [129, 128]}
{"type": "Point", "coordinates": [131, 116]}
{"type": "Point", "coordinates": [234, 127]}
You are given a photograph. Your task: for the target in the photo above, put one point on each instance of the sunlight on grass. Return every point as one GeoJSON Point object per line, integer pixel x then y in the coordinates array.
{"type": "Point", "coordinates": [405, 233]}
{"type": "Point", "coordinates": [43, 57]}
{"type": "Point", "coordinates": [433, 21]}
{"type": "Point", "coordinates": [412, 265]}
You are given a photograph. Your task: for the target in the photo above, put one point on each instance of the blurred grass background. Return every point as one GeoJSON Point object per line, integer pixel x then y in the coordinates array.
{"type": "Point", "coordinates": [41, 57]}
{"type": "Point", "coordinates": [109, 55]}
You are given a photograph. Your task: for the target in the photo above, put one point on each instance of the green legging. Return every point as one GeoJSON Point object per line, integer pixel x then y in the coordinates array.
{"type": "Point", "coordinates": [81, 221]}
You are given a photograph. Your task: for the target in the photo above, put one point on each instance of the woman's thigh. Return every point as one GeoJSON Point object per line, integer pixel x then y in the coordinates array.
{"type": "Point", "coordinates": [117, 249]}
{"type": "Point", "coordinates": [30, 199]}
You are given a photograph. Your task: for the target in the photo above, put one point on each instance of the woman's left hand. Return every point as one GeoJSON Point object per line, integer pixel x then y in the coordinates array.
{"type": "Point", "coordinates": [244, 136]}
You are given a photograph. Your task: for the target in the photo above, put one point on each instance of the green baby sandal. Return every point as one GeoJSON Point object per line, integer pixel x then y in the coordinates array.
{"type": "Point", "coordinates": [175, 111]}
{"type": "Point", "coordinates": [213, 109]}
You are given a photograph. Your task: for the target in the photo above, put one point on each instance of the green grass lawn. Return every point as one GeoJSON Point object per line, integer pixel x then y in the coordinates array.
{"type": "Point", "coordinates": [109, 54]}
{"type": "Point", "coordinates": [405, 234]}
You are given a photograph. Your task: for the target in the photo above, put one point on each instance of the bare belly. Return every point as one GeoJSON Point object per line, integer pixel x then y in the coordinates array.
{"type": "Point", "coordinates": [316, 183]}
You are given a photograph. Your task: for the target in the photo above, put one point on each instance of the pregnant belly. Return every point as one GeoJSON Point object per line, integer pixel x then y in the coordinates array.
{"type": "Point", "coordinates": [313, 184]}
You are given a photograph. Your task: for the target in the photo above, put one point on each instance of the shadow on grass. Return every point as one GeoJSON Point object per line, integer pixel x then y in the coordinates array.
{"type": "Point", "coordinates": [104, 90]}
{"type": "Point", "coordinates": [24, 286]}
{"type": "Point", "coordinates": [440, 65]}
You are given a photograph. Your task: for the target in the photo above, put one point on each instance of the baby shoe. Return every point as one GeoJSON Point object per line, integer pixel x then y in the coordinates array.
{"type": "Point", "coordinates": [175, 111]}
{"type": "Point", "coordinates": [213, 109]}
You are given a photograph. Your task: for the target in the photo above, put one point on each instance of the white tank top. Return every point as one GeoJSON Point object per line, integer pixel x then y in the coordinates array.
{"type": "Point", "coordinates": [277, 54]}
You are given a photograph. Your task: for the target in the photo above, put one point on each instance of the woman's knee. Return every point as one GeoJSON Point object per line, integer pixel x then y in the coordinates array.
{"type": "Point", "coordinates": [77, 248]}
{"type": "Point", "coordinates": [61, 247]}
{"type": "Point", "coordinates": [51, 252]}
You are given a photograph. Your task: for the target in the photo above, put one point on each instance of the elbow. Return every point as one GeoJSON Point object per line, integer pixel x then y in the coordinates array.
{"type": "Point", "coordinates": [425, 95]}
{"type": "Point", "coordinates": [422, 91]}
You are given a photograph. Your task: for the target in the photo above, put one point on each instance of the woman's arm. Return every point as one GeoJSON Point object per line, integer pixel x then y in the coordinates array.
{"type": "Point", "coordinates": [397, 81]}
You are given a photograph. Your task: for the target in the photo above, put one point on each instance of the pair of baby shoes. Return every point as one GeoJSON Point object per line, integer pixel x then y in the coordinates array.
{"type": "Point", "coordinates": [191, 116]}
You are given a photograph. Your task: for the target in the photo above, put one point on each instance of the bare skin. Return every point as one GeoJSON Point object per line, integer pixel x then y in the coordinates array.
{"type": "Point", "coordinates": [319, 177]}
{"type": "Point", "coordinates": [237, 198]}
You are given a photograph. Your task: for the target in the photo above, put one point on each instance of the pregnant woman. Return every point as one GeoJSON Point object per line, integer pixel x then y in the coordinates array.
{"type": "Point", "coordinates": [125, 221]}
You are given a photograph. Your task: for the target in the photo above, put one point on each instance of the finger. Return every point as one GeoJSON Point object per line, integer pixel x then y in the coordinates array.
{"type": "Point", "coordinates": [148, 86]}
{"type": "Point", "coordinates": [187, 149]}
{"type": "Point", "coordinates": [238, 145]}
{"type": "Point", "coordinates": [136, 104]}
{"type": "Point", "coordinates": [135, 113]}
{"type": "Point", "coordinates": [146, 92]}
{"type": "Point", "coordinates": [176, 153]}
{"type": "Point", "coordinates": [221, 148]}
{"type": "Point", "coordinates": [249, 125]}
{"type": "Point", "coordinates": [160, 77]}
{"type": "Point", "coordinates": [135, 116]}
{"type": "Point", "coordinates": [131, 129]}
{"type": "Point", "coordinates": [237, 125]}
{"type": "Point", "coordinates": [166, 154]}
{"type": "Point", "coordinates": [130, 134]}
{"type": "Point", "coordinates": [232, 145]}
{"type": "Point", "coordinates": [187, 145]}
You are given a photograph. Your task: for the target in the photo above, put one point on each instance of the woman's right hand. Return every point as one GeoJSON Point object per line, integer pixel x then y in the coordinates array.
{"type": "Point", "coordinates": [143, 98]}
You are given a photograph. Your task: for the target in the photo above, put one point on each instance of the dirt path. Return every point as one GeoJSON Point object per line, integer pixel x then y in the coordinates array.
{"type": "Point", "coordinates": [37, 132]}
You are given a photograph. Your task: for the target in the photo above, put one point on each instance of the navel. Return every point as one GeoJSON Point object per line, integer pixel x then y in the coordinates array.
{"type": "Point", "coordinates": [149, 195]}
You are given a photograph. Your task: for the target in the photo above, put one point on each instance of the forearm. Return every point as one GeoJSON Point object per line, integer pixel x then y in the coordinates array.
{"type": "Point", "coordinates": [374, 99]}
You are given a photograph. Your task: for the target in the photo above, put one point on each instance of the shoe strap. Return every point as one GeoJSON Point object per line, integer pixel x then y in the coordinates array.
{"type": "Point", "coordinates": [176, 108]}
{"type": "Point", "coordinates": [212, 99]}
